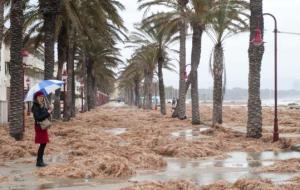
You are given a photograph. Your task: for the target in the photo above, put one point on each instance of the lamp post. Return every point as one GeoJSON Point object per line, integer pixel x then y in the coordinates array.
{"type": "Point", "coordinates": [258, 41]}
{"type": "Point", "coordinates": [64, 77]}
{"type": "Point", "coordinates": [28, 104]}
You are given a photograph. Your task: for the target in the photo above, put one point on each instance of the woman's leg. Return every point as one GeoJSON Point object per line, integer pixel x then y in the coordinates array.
{"type": "Point", "coordinates": [40, 155]}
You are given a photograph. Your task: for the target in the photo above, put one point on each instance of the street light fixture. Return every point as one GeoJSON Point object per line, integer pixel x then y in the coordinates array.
{"type": "Point", "coordinates": [28, 103]}
{"type": "Point", "coordinates": [258, 41]}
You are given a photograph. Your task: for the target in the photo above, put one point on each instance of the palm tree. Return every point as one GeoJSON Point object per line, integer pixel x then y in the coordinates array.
{"type": "Point", "coordinates": [197, 15]}
{"type": "Point", "coordinates": [142, 65]}
{"type": "Point", "coordinates": [48, 9]}
{"type": "Point", "coordinates": [70, 72]}
{"type": "Point", "coordinates": [132, 75]}
{"type": "Point", "coordinates": [255, 53]}
{"type": "Point", "coordinates": [228, 21]}
{"type": "Point", "coordinates": [97, 26]}
{"type": "Point", "coordinates": [159, 39]}
{"type": "Point", "coordinates": [94, 25]}
{"type": "Point", "coordinates": [82, 17]}
{"type": "Point", "coordinates": [179, 18]}
{"type": "Point", "coordinates": [147, 56]}
{"type": "Point", "coordinates": [175, 18]}
{"type": "Point", "coordinates": [197, 18]}
{"type": "Point", "coordinates": [16, 116]}
{"type": "Point", "coordinates": [62, 55]}
{"type": "Point", "coordinates": [100, 74]}
{"type": "Point", "coordinates": [182, 60]}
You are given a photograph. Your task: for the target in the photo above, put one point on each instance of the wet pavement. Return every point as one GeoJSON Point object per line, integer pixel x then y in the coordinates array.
{"type": "Point", "coordinates": [237, 165]}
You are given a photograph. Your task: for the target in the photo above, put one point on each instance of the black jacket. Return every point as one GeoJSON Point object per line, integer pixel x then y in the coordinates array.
{"type": "Point", "coordinates": [39, 113]}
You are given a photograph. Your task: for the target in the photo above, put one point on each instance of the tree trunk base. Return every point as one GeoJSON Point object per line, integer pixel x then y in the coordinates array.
{"type": "Point", "coordinates": [196, 122]}
{"type": "Point", "coordinates": [174, 115]}
{"type": "Point", "coordinates": [17, 136]}
{"type": "Point", "coordinates": [254, 136]}
{"type": "Point", "coordinates": [182, 118]}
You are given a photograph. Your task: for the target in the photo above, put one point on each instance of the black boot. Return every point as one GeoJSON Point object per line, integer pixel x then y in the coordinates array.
{"type": "Point", "coordinates": [40, 155]}
{"type": "Point", "coordinates": [43, 163]}
{"type": "Point", "coordinates": [40, 163]}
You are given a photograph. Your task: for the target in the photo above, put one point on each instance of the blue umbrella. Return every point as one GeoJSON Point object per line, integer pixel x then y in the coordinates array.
{"type": "Point", "coordinates": [46, 86]}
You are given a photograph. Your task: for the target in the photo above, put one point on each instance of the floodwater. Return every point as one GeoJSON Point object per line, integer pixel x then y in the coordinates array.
{"type": "Point", "coordinates": [22, 177]}
{"type": "Point", "coordinates": [237, 165]}
{"type": "Point", "coordinates": [116, 131]}
{"type": "Point", "coordinates": [190, 134]}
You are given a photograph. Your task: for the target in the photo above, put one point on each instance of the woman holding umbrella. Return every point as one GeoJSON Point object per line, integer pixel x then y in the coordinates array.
{"type": "Point", "coordinates": [40, 113]}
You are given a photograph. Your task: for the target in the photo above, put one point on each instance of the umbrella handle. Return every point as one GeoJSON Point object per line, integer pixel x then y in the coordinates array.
{"type": "Point", "coordinates": [47, 102]}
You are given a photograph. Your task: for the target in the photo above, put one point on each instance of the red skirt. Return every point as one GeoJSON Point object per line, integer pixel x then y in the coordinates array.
{"type": "Point", "coordinates": [41, 136]}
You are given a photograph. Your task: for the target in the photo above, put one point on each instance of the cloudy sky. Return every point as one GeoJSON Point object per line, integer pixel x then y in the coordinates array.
{"type": "Point", "coordinates": [236, 56]}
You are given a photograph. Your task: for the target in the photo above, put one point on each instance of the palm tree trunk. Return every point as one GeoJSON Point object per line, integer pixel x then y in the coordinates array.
{"type": "Point", "coordinates": [255, 53]}
{"type": "Point", "coordinates": [73, 110]}
{"type": "Point", "coordinates": [195, 59]}
{"type": "Point", "coordinates": [183, 86]}
{"type": "Point", "coordinates": [84, 77]}
{"type": "Point", "coordinates": [161, 86]}
{"type": "Point", "coordinates": [137, 93]}
{"type": "Point", "coordinates": [49, 10]}
{"type": "Point", "coordinates": [90, 89]}
{"type": "Point", "coordinates": [218, 69]}
{"type": "Point", "coordinates": [61, 46]}
{"type": "Point", "coordinates": [70, 70]}
{"type": "Point", "coordinates": [16, 116]}
{"type": "Point", "coordinates": [147, 90]}
{"type": "Point", "coordinates": [127, 95]}
{"type": "Point", "coordinates": [187, 86]}
{"type": "Point", "coordinates": [94, 93]}
{"type": "Point", "coordinates": [131, 94]}
{"type": "Point", "coordinates": [182, 63]}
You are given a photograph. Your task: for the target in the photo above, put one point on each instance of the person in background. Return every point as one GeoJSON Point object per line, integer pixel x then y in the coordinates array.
{"type": "Point", "coordinates": [40, 113]}
{"type": "Point", "coordinates": [173, 104]}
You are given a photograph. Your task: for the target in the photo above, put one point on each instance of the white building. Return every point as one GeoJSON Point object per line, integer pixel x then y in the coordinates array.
{"type": "Point", "coordinates": [4, 83]}
{"type": "Point", "coordinates": [34, 69]}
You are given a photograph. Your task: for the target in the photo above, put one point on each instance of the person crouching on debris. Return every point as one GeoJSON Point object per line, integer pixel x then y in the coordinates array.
{"type": "Point", "coordinates": [40, 113]}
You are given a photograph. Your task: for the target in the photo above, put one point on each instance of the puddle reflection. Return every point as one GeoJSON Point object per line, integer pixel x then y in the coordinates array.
{"type": "Point", "coordinates": [238, 165]}
{"type": "Point", "coordinates": [189, 134]}
{"type": "Point", "coordinates": [116, 131]}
